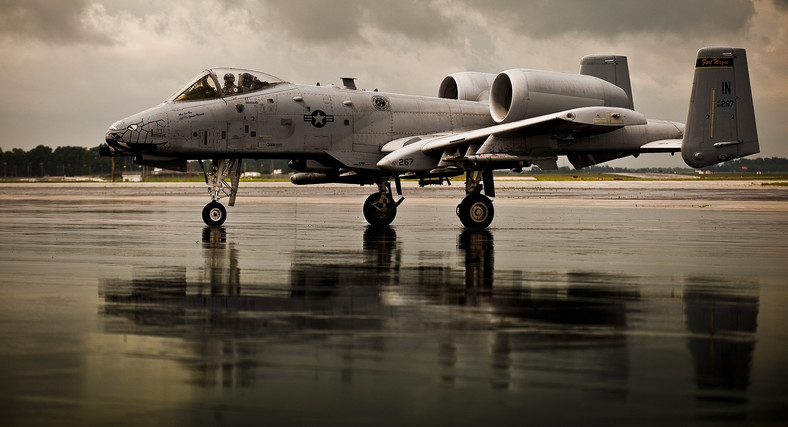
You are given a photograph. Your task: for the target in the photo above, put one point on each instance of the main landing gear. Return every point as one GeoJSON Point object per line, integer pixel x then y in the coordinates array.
{"type": "Point", "coordinates": [476, 210]}
{"type": "Point", "coordinates": [214, 214]}
{"type": "Point", "coordinates": [380, 208]}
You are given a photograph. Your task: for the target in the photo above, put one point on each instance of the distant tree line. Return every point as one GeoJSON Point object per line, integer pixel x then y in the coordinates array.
{"type": "Point", "coordinates": [43, 161]}
{"type": "Point", "coordinates": [62, 161]}
{"type": "Point", "coordinates": [771, 164]}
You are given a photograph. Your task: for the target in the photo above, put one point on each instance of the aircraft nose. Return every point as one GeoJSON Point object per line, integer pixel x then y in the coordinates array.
{"type": "Point", "coordinates": [113, 134]}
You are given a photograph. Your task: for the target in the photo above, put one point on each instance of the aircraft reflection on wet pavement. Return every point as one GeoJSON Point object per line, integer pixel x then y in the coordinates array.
{"type": "Point", "coordinates": [466, 321]}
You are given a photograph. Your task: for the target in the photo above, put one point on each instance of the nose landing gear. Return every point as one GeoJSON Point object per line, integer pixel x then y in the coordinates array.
{"type": "Point", "coordinates": [214, 214]}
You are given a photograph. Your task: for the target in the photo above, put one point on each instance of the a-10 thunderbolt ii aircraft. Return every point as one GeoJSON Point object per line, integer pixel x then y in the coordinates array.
{"type": "Point", "coordinates": [477, 124]}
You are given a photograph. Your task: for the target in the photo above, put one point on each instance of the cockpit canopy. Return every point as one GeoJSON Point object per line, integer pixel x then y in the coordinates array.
{"type": "Point", "coordinates": [224, 82]}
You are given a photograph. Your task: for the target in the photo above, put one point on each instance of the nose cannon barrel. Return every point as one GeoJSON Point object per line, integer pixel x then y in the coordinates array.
{"type": "Point", "coordinates": [111, 136]}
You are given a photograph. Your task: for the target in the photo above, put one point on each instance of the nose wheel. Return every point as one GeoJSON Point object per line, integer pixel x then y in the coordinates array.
{"type": "Point", "coordinates": [214, 214]}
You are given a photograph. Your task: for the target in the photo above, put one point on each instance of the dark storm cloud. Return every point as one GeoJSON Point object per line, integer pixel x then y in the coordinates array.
{"type": "Point", "coordinates": [418, 20]}
{"type": "Point", "coordinates": [781, 4]}
{"type": "Point", "coordinates": [314, 22]}
{"type": "Point", "coordinates": [399, 45]}
{"type": "Point", "coordinates": [343, 20]}
{"type": "Point", "coordinates": [543, 19]}
{"type": "Point", "coordinates": [54, 22]}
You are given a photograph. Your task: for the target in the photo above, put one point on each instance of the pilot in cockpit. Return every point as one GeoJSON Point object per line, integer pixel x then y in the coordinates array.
{"type": "Point", "coordinates": [229, 85]}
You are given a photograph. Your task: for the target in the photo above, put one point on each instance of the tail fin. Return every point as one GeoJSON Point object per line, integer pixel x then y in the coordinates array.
{"type": "Point", "coordinates": [610, 68]}
{"type": "Point", "coordinates": [721, 118]}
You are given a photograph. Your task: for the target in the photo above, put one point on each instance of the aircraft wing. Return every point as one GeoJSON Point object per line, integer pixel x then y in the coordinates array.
{"type": "Point", "coordinates": [417, 154]}
{"type": "Point", "coordinates": [586, 119]}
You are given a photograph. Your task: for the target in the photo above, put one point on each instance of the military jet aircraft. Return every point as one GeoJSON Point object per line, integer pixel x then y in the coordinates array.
{"type": "Point", "coordinates": [478, 123]}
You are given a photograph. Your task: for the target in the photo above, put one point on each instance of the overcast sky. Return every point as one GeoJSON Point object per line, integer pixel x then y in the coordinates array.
{"type": "Point", "coordinates": [72, 67]}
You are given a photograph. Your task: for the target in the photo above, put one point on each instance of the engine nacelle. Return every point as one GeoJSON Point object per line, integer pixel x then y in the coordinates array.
{"type": "Point", "coordinates": [521, 94]}
{"type": "Point", "coordinates": [466, 86]}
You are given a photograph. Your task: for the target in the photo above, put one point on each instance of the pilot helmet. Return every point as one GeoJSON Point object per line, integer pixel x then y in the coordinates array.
{"type": "Point", "coordinates": [229, 79]}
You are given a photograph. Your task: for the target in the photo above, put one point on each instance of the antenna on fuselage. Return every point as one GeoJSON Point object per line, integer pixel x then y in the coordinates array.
{"type": "Point", "coordinates": [349, 82]}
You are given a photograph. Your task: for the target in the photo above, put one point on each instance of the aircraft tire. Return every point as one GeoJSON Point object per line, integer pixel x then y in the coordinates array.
{"type": "Point", "coordinates": [476, 211]}
{"type": "Point", "coordinates": [376, 217]}
{"type": "Point", "coordinates": [214, 214]}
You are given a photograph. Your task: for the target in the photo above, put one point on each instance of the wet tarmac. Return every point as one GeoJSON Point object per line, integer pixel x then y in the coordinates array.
{"type": "Point", "coordinates": [603, 303]}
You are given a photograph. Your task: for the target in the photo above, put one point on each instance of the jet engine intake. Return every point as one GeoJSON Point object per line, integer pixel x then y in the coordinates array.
{"type": "Point", "coordinates": [521, 94]}
{"type": "Point", "coordinates": [466, 86]}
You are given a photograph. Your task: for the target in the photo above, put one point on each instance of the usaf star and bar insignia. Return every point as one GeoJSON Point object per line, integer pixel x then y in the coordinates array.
{"type": "Point", "coordinates": [318, 118]}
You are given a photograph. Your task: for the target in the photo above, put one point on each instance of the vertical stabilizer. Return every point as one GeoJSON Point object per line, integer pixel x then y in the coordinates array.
{"type": "Point", "coordinates": [611, 68]}
{"type": "Point", "coordinates": [721, 118]}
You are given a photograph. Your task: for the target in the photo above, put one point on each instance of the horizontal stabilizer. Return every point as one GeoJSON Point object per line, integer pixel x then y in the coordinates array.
{"type": "Point", "coordinates": [662, 146]}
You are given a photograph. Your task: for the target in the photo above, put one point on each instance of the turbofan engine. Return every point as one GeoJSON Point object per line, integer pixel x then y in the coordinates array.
{"type": "Point", "coordinates": [520, 94]}
{"type": "Point", "coordinates": [466, 86]}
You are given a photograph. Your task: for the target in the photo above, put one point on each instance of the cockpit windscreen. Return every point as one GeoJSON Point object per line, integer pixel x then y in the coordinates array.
{"type": "Point", "coordinates": [225, 82]}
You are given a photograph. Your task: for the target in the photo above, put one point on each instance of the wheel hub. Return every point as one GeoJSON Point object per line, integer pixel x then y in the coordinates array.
{"type": "Point", "coordinates": [478, 212]}
{"type": "Point", "coordinates": [379, 209]}
{"type": "Point", "coordinates": [475, 211]}
{"type": "Point", "coordinates": [216, 214]}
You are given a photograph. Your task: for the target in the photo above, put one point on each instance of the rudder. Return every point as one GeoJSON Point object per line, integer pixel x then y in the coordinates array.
{"type": "Point", "coordinates": [721, 118]}
{"type": "Point", "coordinates": [611, 68]}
